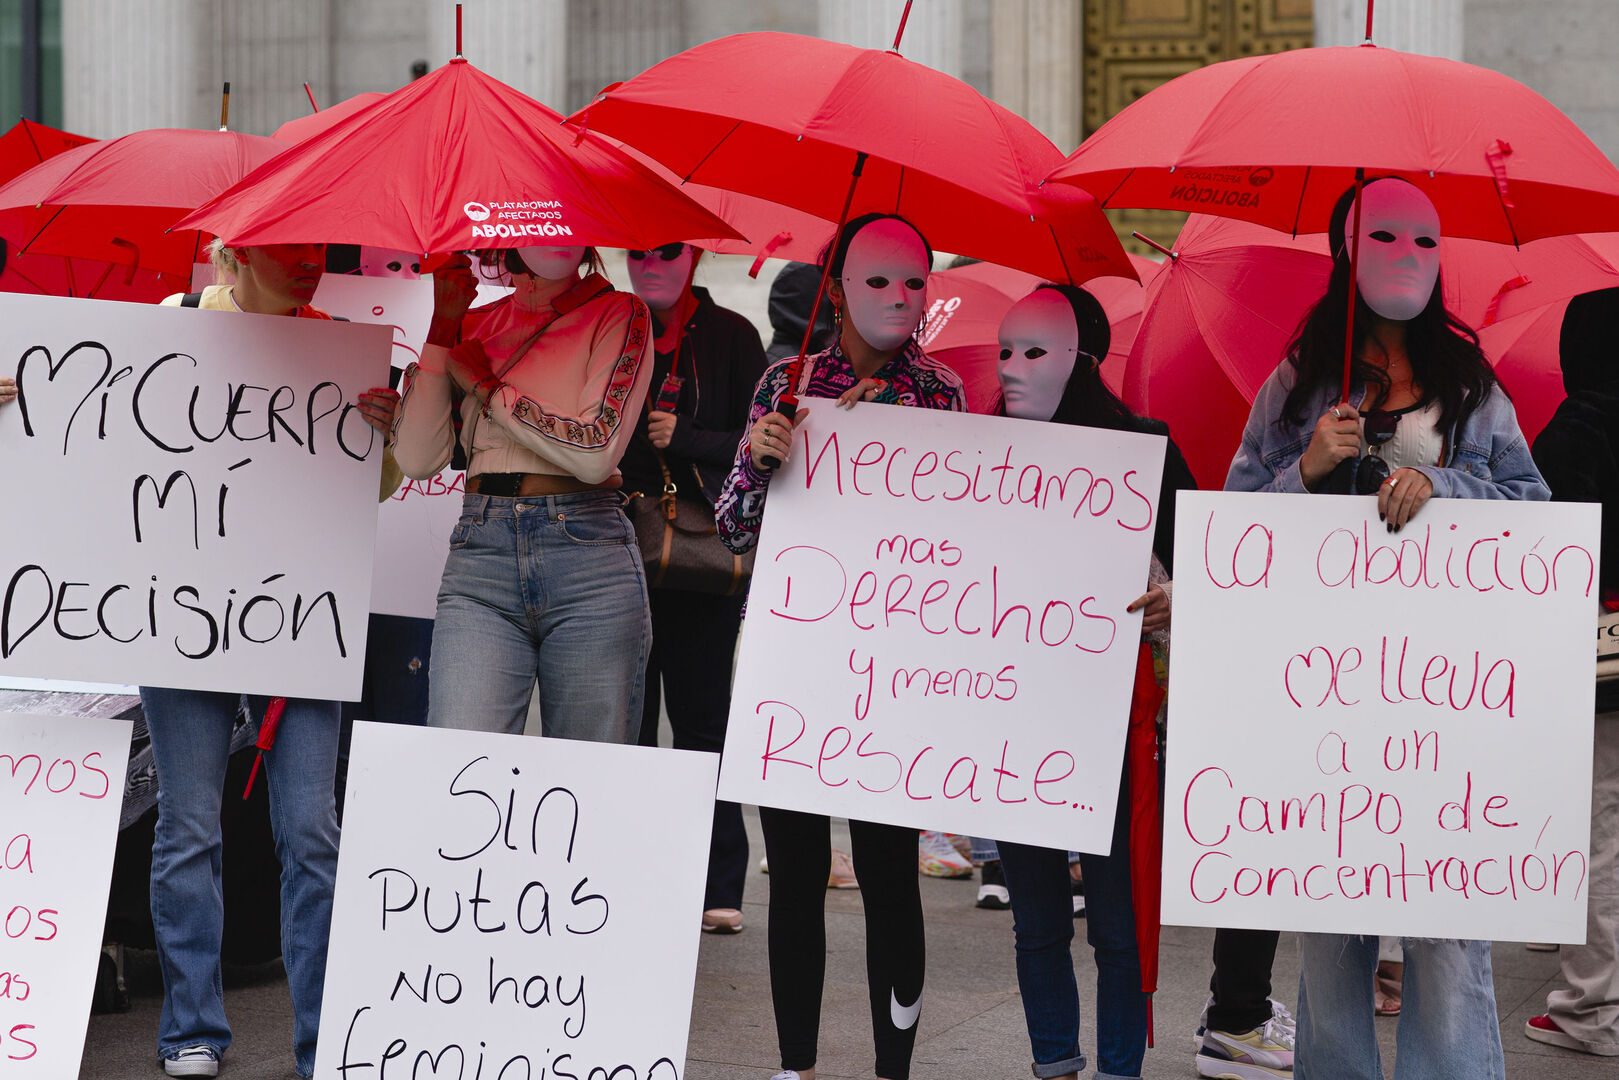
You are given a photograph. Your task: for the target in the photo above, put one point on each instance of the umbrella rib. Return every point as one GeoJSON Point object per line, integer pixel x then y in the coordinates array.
{"type": "Point", "coordinates": [41, 230]}
{"type": "Point", "coordinates": [1063, 258]}
{"type": "Point", "coordinates": [1120, 186]}
{"type": "Point", "coordinates": [1507, 214]}
{"type": "Point", "coordinates": [1298, 210]}
{"type": "Point", "coordinates": [711, 151]}
{"type": "Point", "coordinates": [28, 129]}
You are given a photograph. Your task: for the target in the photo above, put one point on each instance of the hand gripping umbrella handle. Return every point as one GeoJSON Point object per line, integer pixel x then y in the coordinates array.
{"type": "Point", "coordinates": [788, 407]}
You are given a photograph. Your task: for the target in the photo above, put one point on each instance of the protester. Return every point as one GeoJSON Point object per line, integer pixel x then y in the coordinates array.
{"type": "Point", "coordinates": [543, 580]}
{"type": "Point", "coordinates": [708, 360]}
{"type": "Point", "coordinates": [1422, 417]}
{"type": "Point", "coordinates": [190, 732]}
{"type": "Point", "coordinates": [879, 271]}
{"type": "Point", "coordinates": [791, 295]}
{"type": "Point", "coordinates": [1578, 454]}
{"type": "Point", "coordinates": [1052, 345]}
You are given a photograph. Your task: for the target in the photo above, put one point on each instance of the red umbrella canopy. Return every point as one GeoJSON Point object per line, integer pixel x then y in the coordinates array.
{"type": "Point", "coordinates": [116, 200]}
{"type": "Point", "coordinates": [967, 303]}
{"type": "Point", "coordinates": [1525, 352]}
{"type": "Point", "coordinates": [1276, 140]}
{"type": "Point", "coordinates": [304, 127]}
{"type": "Point", "coordinates": [24, 146]}
{"type": "Point", "coordinates": [783, 117]}
{"type": "Point", "coordinates": [455, 160]}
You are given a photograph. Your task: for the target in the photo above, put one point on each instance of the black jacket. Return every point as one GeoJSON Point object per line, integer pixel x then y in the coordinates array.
{"type": "Point", "coordinates": [721, 359]}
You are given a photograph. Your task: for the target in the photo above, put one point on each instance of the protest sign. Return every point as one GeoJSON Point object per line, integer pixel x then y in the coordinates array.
{"type": "Point", "coordinates": [515, 906]}
{"type": "Point", "coordinates": [415, 522]}
{"type": "Point", "coordinates": [61, 783]}
{"type": "Point", "coordinates": [193, 495]}
{"type": "Point", "coordinates": [1381, 733]}
{"type": "Point", "coordinates": [936, 632]}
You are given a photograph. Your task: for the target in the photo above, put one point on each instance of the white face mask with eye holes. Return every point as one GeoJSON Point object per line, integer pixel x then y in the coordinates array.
{"type": "Point", "coordinates": [1399, 249]}
{"type": "Point", "coordinates": [385, 262]}
{"type": "Point", "coordinates": [1039, 348]}
{"type": "Point", "coordinates": [885, 278]}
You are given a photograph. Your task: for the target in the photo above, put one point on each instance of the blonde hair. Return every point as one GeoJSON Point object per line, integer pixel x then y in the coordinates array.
{"type": "Point", "coordinates": [223, 260]}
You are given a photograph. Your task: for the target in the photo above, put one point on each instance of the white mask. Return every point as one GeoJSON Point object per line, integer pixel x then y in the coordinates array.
{"type": "Point", "coordinates": [1039, 348]}
{"type": "Point", "coordinates": [552, 263]}
{"type": "Point", "coordinates": [657, 282]}
{"type": "Point", "coordinates": [385, 262]}
{"type": "Point", "coordinates": [1399, 249]}
{"type": "Point", "coordinates": [885, 276]}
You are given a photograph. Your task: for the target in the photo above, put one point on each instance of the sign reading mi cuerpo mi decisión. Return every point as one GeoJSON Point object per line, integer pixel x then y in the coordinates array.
{"type": "Point", "coordinates": [1381, 733]}
{"type": "Point", "coordinates": [191, 496]}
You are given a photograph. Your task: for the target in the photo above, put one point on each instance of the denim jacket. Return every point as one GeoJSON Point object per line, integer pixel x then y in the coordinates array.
{"type": "Point", "coordinates": [1486, 459]}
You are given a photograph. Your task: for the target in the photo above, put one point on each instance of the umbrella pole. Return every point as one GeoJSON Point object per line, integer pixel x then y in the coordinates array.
{"type": "Point", "coordinates": [311, 94]}
{"type": "Point", "coordinates": [1354, 278]}
{"type": "Point", "coordinates": [788, 405]}
{"type": "Point", "coordinates": [903, 16]}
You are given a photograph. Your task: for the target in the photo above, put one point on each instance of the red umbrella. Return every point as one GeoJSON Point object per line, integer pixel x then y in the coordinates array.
{"type": "Point", "coordinates": [967, 303]}
{"type": "Point", "coordinates": [1221, 312]}
{"type": "Point", "coordinates": [24, 146]}
{"type": "Point", "coordinates": [115, 200]}
{"type": "Point", "coordinates": [1276, 139]}
{"type": "Point", "coordinates": [785, 118]}
{"type": "Point", "coordinates": [305, 127]}
{"type": "Point", "coordinates": [455, 160]}
{"type": "Point", "coordinates": [1527, 360]}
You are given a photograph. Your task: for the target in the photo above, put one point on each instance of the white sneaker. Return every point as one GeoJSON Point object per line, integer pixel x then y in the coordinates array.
{"type": "Point", "coordinates": [937, 857]}
{"type": "Point", "coordinates": [1278, 1013]}
{"type": "Point", "coordinates": [1265, 1053]}
{"type": "Point", "coordinates": [192, 1061]}
{"type": "Point", "coordinates": [785, 1074]}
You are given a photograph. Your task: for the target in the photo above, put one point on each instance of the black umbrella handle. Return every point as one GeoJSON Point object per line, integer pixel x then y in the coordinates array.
{"type": "Point", "coordinates": [788, 407]}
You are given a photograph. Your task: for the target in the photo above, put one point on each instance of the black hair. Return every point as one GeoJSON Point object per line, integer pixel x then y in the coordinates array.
{"type": "Point", "coordinates": [851, 229]}
{"type": "Point", "coordinates": [1447, 365]}
{"type": "Point", "coordinates": [509, 260]}
{"type": "Point", "coordinates": [1086, 400]}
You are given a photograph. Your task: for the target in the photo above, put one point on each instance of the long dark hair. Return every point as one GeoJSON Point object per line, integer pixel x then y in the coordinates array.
{"type": "Point", "coordinates": [1086, 400]}
{"type": "Point", "coordinates": [1446, 361]}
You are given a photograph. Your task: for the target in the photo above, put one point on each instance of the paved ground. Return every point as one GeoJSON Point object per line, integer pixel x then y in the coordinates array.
{"type": "Point", "coordinates": [972, 1019]}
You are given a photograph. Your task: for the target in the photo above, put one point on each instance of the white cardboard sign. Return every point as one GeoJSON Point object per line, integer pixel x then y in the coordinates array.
{"type": "Point", "coordinates": [193, 494]}
{"type": "Point", "coordinates": [936, 631]}
{"type": "Point", "coordinates": [414, 525]}
{"type": "Point", "coordinates": [517, 906]}
{"type": "Point", "coordinates": [61, 784]}
{"type": "Point", "coordinates": [1373, 733]}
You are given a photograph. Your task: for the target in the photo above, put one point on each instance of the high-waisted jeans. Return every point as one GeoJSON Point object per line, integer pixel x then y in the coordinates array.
{"type": "Point", "coordinates": [548, 588]}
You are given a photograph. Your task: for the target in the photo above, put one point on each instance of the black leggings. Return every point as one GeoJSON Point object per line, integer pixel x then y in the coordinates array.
{"type": "Point", "coordinates": [799, 847]}
{"type": "Point", "coordinates": [1241, 980]}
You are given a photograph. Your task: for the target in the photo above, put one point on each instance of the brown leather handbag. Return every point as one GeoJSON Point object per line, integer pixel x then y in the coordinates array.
{"type": "Point", "coordinates": [680, 544]}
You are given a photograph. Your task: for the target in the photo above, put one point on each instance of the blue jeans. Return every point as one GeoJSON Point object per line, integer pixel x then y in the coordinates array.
{"type": "Point", "coordinates": [549, 587]}
{"type": "Point", "coordinates": [190, 732]}
{"type": "Point", "coordinates": [1043, 918]}
{"type": "Point", "coordinates": [1448, 1028]}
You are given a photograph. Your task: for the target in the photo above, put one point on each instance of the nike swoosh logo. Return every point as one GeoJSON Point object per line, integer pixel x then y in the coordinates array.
{"type": "Point", "coordinates": [903, 1016]}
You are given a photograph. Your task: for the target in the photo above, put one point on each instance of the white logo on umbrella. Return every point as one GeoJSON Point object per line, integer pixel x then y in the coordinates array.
{"type": "Point", "coordinates": [477, 211]}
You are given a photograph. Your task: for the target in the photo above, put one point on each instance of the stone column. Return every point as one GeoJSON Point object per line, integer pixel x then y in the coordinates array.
{"type": "Point", "coordinates": [613, 40]}
{"type": "Point", "coordinates": [127, 66]}
{"type": "Point", "coordinates": [523, 43]}
{"type": "Point", "coordinates": [932, 34]}
{"type": "Point", "coordinates": [1036, 65]}
{"type": "Point", "coordinates": [1433, 27]}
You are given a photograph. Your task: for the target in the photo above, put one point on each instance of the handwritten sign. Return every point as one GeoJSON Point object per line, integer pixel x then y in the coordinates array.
{"type": "Point", "coordinates": [200, 495]}
{"type": "Point", "coordinates": [61, 783]}
{"type": "Point", "coordinates": [1381, 734]}
{"type": "Point", "coordinates": [414, 524]}
{"type": "Point", "coordinates": [936, 633]}
{"type": "Point", "coordinates": [489, 920]}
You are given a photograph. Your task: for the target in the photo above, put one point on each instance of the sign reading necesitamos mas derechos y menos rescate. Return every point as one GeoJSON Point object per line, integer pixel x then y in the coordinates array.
{"type": "Point", "coordinates": [191, 496]}
{"type": "Point", "coordinates": [1381, 733]}
{"type": "Point", "coordinates": [515, 907]}
{"type": "Point", "coordinates": [936, 632]}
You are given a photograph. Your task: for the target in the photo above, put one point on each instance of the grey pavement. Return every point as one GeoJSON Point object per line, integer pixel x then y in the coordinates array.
{"type": "Point", "coordinates": [972, 1016]}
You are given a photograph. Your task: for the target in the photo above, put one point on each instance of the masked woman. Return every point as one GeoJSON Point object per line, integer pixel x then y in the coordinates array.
{"type": "Point", "coordinates": [708, 360]}
{"type": "Point", "coordinates": [879, 273]}
{"type": "Point", "coordinates": [543, 579]}
{"type": "Point", "coordinates": [1052, 343]}
{"type": "Point", "coordinates": [1422, 417]}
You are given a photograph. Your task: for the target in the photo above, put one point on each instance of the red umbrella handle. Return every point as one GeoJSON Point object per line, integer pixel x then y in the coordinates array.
{"type": "Point", "coordinates": [788, 405]}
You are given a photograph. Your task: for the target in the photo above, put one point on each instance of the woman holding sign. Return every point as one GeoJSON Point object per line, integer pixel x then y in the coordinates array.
{"type": "Point", "coordinates": [1052, 344]}
{"type": "Point", "coordinates": [543, 581]}
{"type": "Point", "coordinates": [1422, 416]}
{"type": "Point", "coordinates": [879, 270]}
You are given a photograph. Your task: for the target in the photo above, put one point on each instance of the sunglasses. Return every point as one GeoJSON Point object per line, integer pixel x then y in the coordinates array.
{"type": "Point", "coordinates": [1372, 470]}
{"type": "Point", "coordinates": [668, 252]}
